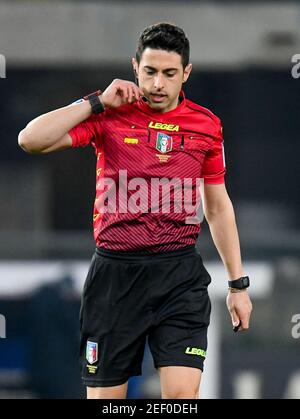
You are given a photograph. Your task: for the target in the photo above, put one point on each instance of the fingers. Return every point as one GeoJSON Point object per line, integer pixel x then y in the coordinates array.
{"type": "Point", "coordinates": [130, 92]}
{"type": "Point", "coordinates": [136, 93]}
{"type": "Point", "coordinates": [245, 323]}
{"type": "Point", "coordinates": [240, 307]}
{"type": "Point", "coordinates": [234, 318]}
{"type": "Point", "coordinates": [239, 323]}
{"type": "Point", "coordinates": [126, 94]}
{"type": "Point", "coordinates": [237, 328]}
{"type": "Point", "coordinates": [121, 92]}
{"type": "Point", "coordinates": [245, 316]}
{"type": "Point", "coordinates": [242, 323]}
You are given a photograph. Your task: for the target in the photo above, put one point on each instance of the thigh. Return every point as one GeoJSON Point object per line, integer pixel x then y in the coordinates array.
{"type": "Point", "coordinates": [180, 382]}
{"type": "Point", "coordinates": [115, 392]}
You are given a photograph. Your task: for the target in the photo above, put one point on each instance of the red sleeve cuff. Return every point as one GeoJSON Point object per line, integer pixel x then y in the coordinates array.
{"type": "Point", "coordinates": [73, 137]}
{"type": "Point", "coordinates": [76, 140]}
{"type": "Point", "coordinates": [214, 180]}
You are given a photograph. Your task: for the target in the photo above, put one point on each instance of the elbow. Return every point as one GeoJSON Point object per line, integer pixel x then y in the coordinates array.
{"type": "Point", "coordinates": [26, 142]}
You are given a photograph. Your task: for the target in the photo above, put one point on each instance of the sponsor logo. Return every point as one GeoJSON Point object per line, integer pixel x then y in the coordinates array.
{"type": "Point", "coordinates": [195, 351]}
{"type": "Point", "coordinates": [164, 143]}
{"type": "Point", "coordinates": [131, 140]}
{"type": "Point", "coordinates": [167, 127]}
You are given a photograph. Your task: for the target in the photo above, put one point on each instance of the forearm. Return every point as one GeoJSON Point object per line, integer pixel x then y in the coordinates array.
{"type": "Point", "coordinates": [45, 130]}
{"type": "Point", "coordinates": [225, 236]}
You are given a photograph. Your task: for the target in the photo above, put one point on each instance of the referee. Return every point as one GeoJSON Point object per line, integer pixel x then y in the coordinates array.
{"type": "Point", "coordinates": [146, 280]}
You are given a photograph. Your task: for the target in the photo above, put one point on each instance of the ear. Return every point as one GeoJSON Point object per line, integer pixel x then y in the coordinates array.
{"type": "Point", "coordinates": [135, 66]}
{"type": "Point", "coordinates": [187, 72]}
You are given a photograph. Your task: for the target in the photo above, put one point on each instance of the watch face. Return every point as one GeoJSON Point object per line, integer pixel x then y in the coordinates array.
{"type": "Point", "coordinates": [240, 283]}
{"type": "Point", "coordinates": [246, 282]}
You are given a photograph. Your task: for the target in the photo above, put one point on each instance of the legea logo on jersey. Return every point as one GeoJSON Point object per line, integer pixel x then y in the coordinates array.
{"type": "Point", "coordinates": [2, 67]}
{"type": "Point", "coordinates": [195, 351]}
{"type": "Point", "coordinates": [164, 143]}
{"type": "Point", "coordinates": [160, 125]}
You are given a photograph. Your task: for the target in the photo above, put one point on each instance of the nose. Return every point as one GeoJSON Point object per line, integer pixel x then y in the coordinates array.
{"type": "Point", "coordinates": [158, 81]}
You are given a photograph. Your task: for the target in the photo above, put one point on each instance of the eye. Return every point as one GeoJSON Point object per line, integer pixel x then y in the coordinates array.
{"type": "Point", "coordinates": [150, 72]}
{"type": "Point", "coordinates": [170, 74]}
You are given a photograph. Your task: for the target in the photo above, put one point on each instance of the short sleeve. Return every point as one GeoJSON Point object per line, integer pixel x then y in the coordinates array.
{"type": "Point", "coordinates": [214, 169]}
{"type": "Point", "coordinates": [87, 132]}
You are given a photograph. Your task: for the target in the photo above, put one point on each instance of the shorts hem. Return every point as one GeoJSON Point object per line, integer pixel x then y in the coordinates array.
{"type": "Point", "coordinates": [108, 382]}
{"type": "Point", "coordinates": [178, 364]}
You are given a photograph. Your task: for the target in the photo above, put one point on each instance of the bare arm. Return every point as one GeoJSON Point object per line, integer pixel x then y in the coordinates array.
{"type": "Point", "coordinates": [49, 132]}
{"type": "Point", "coordinates": [219, 214]}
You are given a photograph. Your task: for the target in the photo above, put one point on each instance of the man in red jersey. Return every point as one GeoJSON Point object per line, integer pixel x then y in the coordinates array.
{"type": "Point", "coordinates": [146, 279]}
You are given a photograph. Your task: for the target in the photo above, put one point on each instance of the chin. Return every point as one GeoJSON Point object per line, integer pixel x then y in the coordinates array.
{"type": "Point", "coordinates": [160, 106]}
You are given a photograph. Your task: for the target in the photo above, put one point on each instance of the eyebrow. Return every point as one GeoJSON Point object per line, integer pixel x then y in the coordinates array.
{"type": "Point", "coordinates": [164, 71]}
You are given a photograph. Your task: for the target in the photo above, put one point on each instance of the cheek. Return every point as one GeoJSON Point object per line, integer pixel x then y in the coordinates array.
{"type": "Point", "coordinates": [174, 88]}
{"type": "Point", "coordinates": [145, 82]}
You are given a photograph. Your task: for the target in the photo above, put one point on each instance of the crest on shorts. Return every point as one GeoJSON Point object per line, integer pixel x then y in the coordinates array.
{"type": "Point", "coordinates": [163, 142]}
{"type": "Point", "coordinates": [91, 352]}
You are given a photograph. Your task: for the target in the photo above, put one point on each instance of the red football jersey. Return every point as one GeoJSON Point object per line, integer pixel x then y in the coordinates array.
{"type": "Point", "coordinates": [147, 173]}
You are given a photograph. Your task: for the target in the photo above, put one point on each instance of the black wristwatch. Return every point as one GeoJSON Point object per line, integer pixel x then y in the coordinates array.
{"type": "Point", "coordinates": [240, 283]}
{"type": "Point", "coordinates": [96, 104]}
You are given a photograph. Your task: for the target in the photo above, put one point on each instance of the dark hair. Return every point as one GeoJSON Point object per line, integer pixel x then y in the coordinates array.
{"type": "Point", "coordinates": [167, 37]}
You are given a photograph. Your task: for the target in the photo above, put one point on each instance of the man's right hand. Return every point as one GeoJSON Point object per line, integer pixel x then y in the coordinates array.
{"type": "Point", "coordinates": [120, 92]}
{"type": "Point", "coordinates": [49, 132]}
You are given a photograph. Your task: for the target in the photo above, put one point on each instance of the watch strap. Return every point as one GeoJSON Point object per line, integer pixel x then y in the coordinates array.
{"type": "Point", "coordinates": [240, 283]}
{"type": "Point", "coordinates": [96, 104]}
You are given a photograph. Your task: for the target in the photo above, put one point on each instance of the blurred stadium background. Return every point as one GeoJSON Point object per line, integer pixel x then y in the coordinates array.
{"type": "Point", "coordinates": [242, 53]}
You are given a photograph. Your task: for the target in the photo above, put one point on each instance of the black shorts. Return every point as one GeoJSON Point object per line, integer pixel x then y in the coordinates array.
{"type": "Point", "coordinates": [128, 297]}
